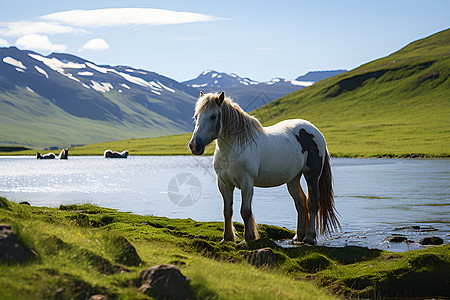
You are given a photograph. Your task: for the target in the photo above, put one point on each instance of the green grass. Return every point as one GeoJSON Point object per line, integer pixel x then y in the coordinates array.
{"type": "Point", "coordinates": [394, 106]}
{"type": "Point", "coordinates": [80, 249]}
{"type": "Point", "coordinates": [165, 145]}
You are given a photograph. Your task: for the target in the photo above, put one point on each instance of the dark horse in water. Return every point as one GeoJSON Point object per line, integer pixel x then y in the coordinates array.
{"type": "Point", "coordinates": [114, 154]}
{"type": "Point", "coordinates": [64, 154]}
{"type": "Point", "coordinates": [45, 156]}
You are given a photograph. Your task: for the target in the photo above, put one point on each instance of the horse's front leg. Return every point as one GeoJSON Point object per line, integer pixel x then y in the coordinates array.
{"type": "Point", "coordinates": [227, 196]}
{"type": "Point", "coordinates": [251, 230]}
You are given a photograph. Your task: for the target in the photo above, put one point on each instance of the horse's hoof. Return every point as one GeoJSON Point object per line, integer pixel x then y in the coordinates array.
{"type": "Point", "coordinates": [309, 241]}
{"type": "Point", "coordinates": [297, 239]}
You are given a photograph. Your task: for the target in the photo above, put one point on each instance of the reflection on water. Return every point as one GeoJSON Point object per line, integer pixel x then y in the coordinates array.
{"type": "Point", "coordinates": [373, 196]}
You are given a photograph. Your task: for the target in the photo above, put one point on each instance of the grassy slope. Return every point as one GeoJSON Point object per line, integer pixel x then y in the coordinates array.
{"type": "Point", "coordinates": [77, 247]}
{"type": "Point", "coordinates": [33, 121]}
{"type": "Point", "coordinates": [399, 104]}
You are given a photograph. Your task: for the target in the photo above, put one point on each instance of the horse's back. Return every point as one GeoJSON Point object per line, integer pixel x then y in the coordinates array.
{"type": "Point", "coordinates": [287, 149]}
{"type": "Point", "coordinates": [300, 129]}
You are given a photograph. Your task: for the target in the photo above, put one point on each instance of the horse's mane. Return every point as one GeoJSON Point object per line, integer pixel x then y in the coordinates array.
{"type": "Point", "coordinates": [236, 123]}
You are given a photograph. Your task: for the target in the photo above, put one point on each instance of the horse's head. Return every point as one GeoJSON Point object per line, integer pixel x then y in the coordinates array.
{"type": "Point", "coordinates": [208, 123]}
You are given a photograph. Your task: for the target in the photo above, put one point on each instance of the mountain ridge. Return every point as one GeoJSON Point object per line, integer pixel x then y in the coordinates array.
{"type": "Point", "coordinates": [62, 99]}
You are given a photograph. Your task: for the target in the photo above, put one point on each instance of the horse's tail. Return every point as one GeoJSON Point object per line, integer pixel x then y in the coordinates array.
{"type": "Point", "coordinates": [327, 214]}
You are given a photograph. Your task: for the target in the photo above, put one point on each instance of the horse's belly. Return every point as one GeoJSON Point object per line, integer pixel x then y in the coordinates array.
{"type": "Point", "coordinates": [274, 174]}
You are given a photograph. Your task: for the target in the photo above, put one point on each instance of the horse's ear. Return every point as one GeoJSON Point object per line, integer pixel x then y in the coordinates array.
{"type": "Point", "coordinates": [201, 94]}
{"type": "Point", "coordinates": [220, 99]}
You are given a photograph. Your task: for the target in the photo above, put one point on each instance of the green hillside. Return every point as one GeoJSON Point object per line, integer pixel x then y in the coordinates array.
{"type": "Point", "coordinates": [396, 105]}
{"type": "Point", "coordinates": [31, 120]}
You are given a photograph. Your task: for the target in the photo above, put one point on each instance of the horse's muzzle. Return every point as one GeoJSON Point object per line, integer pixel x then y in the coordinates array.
{"type": "Point", "coordinates": [197, 146]}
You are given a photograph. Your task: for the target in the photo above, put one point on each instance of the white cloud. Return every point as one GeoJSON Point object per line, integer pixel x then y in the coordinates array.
{"type": "Point", "coordinates": [126, 16]}
{"type": "Point", "coordinates": [3, 43]}
{"type": "Point", "coordinates": [96, 44]}
{"type": "Point", "coordinates": [39, 42]}
{"type": "Point", "coordinates": [26, 28]}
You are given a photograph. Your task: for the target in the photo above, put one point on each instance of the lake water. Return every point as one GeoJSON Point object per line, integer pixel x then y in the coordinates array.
{"type": "Point", "coordinates": [373, 196]}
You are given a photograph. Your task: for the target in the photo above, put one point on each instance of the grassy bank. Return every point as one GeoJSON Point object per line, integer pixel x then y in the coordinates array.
{"type": "Point", "coordinates": [80, 250]}
{"type": "Point", "coordinates": [177, 145]}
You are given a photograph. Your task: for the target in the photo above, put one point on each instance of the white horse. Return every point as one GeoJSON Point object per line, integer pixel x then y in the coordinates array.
{"type": "Point", "coordinates": [248, 154]}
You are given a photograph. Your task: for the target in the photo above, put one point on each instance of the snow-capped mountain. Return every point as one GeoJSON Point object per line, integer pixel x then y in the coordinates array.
{"type": "Point", "coordinates": [72, 93]}
{"type": "Point", "coordinates": [250, 94]}
{"type": "Point", "coordinates": [61, 99]}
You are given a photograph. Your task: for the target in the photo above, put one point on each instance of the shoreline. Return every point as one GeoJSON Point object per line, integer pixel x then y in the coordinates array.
{"type": "Point", "coordinates": [81, 250]}
{"type": "Point", "coordinates": [363, 156]}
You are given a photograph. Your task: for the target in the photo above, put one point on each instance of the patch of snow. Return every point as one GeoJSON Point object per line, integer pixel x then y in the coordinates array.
{"type": "Point", "coordinates": [125, 86]}
{"type": "Point", "coordinates": [86, 73]}
{"type": "Point", "coordinates": [276, 80]}
{"type": "Point", "coordinates": [70, 76]}
{"type": "Point", "coordinates": [20, 70]}
{"type": "Point", "coordinates": [233, 75]}
{"type": "Point", "coordinates": [167, 88]}
{"type": "Point", "coordinates": [155, 85]}
{"type": "Point", "coordinates": [302, 83]}
{"type": "Point", "coordinates": [13, 62]}
{"type": "Point", "coordinates": [101, 87]}
{"type": "Point", "coordinates": [214, 75]}
{"type": "Point", "coordinates": [86, 86]}
{"type": "Point", "coordinates": [129, 70]}
{"type": "Point", "coordinates": [156, 92]}
{"type": "Point", "coordinates": [206, 72]}
{"type": "Point", "coordinates": [199, 85]}
{"type": "Point", "coordinates": [216, 81]}
{"type": "Point", "coordinates": [29, 89]}
{"type": "Point", "coordinates": [220, 76]}
{"type": "Point", "coordinates": [133, 79]}
{"type": "Point", "coordinates": [244, 82]}
{"type": "Point", "coordinates": [120, 91]}
{"type": "Point", "coordinates": [56, 64]}
{"type": "Point", "coordinates": [97, 68]}
{"type": "Point", "coordinates": [41, 71]}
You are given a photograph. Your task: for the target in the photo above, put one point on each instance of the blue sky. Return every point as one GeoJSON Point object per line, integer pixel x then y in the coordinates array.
{"type": "Point", "coordinates": [256, 39]}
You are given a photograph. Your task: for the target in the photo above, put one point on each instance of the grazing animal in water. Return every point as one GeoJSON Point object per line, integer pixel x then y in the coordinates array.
{"type": "Point", "coordinates": [114, 154]}
{"type": "Point", "coordinates": [45, 156]}
{"type": "Point", "coordinates": [248, 154]}
{"type": "Point", "coordinates": [64, 154]}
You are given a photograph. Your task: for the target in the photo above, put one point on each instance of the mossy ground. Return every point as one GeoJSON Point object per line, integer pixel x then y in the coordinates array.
{"type": "Point", "coordinates": [80, 250]}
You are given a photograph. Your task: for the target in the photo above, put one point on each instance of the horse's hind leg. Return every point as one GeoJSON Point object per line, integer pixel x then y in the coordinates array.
{"type": "Point", "coordinates": [313, 207]}
{"type": "Point", "coordinates": [227, 195]}
{"type": "Point", "coordinates": [296, 192]}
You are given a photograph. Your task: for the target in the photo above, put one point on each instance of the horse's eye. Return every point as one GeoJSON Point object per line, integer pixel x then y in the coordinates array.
{"type": "Point", "coordinates": [213, 117]}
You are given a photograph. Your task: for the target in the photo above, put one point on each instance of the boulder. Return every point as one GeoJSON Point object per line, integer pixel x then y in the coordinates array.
{"type": "Point", "coordinates": [165, 282]}
{"type": "Point", "coordinates": [11, 249]}
{"type": "Point", "coordinates": [397, 238]}
{"type": "Point", "coordinates": [434, 240]}
{"type": "Point", "coordinates": [261, 257]}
